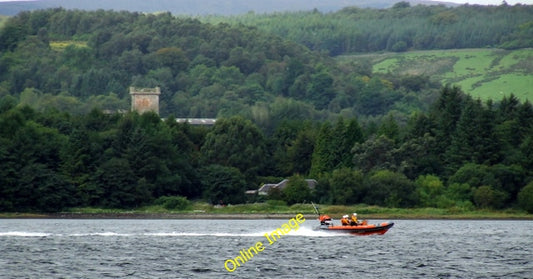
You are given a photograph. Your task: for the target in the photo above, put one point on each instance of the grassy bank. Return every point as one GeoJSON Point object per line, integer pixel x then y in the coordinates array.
{"type": "Point", "coordinates": [483, 73]}
{"type": "Point", "coordinates": [273, 210]}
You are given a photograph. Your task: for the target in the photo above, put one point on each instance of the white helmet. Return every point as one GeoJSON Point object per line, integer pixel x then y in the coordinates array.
{"type": "Point", "coordinates": [355, 214]}
{"type": "Point", "coordinates": [345, 216]}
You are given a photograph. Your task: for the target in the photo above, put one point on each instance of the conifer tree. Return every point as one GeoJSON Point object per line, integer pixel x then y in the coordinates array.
{"type": "Point", "coordinates": [352, 135]}
{"type": "Point", "coordinates": [525, 120]}
{"type": "Point", "coordinates": [301, 152]}
{"type": "Point", "coordinates": [486, 142]}
{"type": "Point", "coordinates": [337, 140]}
{"type": "Point", "coordinates": [323, 158]}
{"type": "Point", "coordinates": [390, 128]}
{"type": "Point", "coordinates": [463, 148]}
{"type": "Point", "coordinates": [446, 114]}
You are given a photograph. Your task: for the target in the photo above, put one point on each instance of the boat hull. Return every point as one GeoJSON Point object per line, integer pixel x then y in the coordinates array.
{"type": "Point", "coordinates": [360, 229]}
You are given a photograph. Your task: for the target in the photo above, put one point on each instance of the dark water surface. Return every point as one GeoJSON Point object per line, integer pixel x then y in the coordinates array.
{"type": "Point", "coordinates": [56, 248]}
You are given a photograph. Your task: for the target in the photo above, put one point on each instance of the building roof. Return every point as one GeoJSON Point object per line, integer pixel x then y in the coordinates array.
{"type": "Point", "coordinates": [145, 91]}
{"type": "Point", "coordinates": [197, 121]}
{"type": "Point", "coordinates": [265, 189]}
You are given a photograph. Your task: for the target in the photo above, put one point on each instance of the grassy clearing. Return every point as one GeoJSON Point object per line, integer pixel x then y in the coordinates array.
{"type": "Point", "coordinates": [61, 45]}
{"type": "Point", "coordinates": [520, 85]}
{"type": "Point", "coordinates": [3, 20]}
{"type": "Point", "coordinates": [483, 73]}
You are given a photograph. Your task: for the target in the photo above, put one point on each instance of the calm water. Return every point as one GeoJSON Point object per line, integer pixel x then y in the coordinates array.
{"type": "Point", "coordinates": [54, 248]}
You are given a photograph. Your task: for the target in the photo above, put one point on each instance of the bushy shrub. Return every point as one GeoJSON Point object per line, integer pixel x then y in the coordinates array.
{"type": "Point", "coordinates": [430, 189]}
{"type": "Point", "coordinates": [296, 191]}
{"type": "Point", "coordinates": [390, 189]}
{"type": "Point", "coordinates": [173, 202]}
{"type": "Point", "coordinates": [525, 197]}
{"type": "Point", "coordinates": [487, 197]}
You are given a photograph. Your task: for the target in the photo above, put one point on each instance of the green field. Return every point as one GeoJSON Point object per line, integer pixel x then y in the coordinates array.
{"type": "Point", "coordinates": [3, 20]}
{"type": "Point", "coordinates": [483, 73]}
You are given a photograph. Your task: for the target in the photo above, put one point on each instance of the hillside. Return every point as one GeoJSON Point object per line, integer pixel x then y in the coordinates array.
{"type": "Point", "coordinates": [76, 60]}
{"type": "Point", "coordinates": [400, 28]}
{"type": "Point", "coordinates": [216, 66]}
{"type": "Point", "coordinates": [483, 73]}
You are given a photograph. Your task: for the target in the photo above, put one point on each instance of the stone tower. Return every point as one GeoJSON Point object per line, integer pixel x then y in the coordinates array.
{"type": "Point", "coordinates": [145, 99]}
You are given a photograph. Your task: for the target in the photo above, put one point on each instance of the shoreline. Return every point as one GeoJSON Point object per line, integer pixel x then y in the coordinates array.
{"type": "Point", "coordinates": [240, 216]}
{"type": "Point", "coordinates": [177, 216]}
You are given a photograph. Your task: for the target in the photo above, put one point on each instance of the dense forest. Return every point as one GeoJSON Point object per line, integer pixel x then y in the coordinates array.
{"type": "Point", "coordinates": [74, 61]}
{"type": "Point", "coordinates": [400, 28]}
{"type": "Point", "coordinates": [461, 154]}
{"type": "Point", "coordinates": [283, 111]}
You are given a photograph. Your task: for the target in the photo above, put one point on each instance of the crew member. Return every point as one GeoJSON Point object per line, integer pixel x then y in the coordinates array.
{"type": "Point", "coordinates": [345, 221]}
{"type": "Point", "coordinates": [325, 220]}
{"type": "Point", "coordinates": [353, 221]}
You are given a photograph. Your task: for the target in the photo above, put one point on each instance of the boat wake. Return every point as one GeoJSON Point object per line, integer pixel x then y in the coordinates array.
{"type": "Point", "coordinates": [25, 234]}
{"type": "Point", "coordinates": [302, 231]}
{"type": "Point", "coordinates": [306, 231]}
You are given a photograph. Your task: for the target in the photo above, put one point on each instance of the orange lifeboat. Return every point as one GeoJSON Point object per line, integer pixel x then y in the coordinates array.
{"type": "Point", "coordinates": [353, 227]}
{"type": "Point", "coordinates": [362, 228]}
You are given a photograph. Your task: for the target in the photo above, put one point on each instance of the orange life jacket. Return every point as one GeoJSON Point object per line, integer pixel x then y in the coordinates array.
{"type": "Point", "coordinates": [345, 221]}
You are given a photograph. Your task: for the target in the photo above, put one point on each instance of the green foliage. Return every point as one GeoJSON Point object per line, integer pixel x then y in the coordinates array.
{"type": "Point", "coordinates": [417, 156]}
{"type": "Point", "coordinates": [511, 178]}
{"type": "Point", "coordinates": [429, 189]}
{"type": "Point", "coordinates": [389, 128]}
{"type": "Point", "coordinates": [296, 190]}
{"type": "Point", "coordinates": [459, 192]}
{"type": "Point", "coordinates": [7, 103]}
{"type": "Point", "coordinates": [521, 37]}
{"type": "Point", "coordinates": [401, 27]}
{"type": "Point", "coordinates": [30, 177]}
{"type": "Point", "coordinates": [52, 160]}
{"type": "Point", "coordinates": [527, 150]}
{"type": "Point", "coordinates": [525, 198]}
{"type": "Point", "coordinates": [320, 89]}
{"type": "Point", "coordinates": [474, 139]}
{"type": "Point", "coordinates": [223, 184]}
{"type": "Point", "coordinates": [235, 142]}
{"type": "Point", "coordinates": [103, 53]}
{"type": "Point", "coordinates": [399, 46]}
{"type": "Point", "coordinates": [173, 202]}
{"type": "Point", "coordinates": [475, 176]}
{"type": "Point", "coordinates": [74, 57]}
{"type": "Point", "coordinates": [116, 180]}
{"type": "Point", "coordinates": [487, 197]}
{"type": "Point", "coordinates": [387, 188]}
{"type": "Point", "coordinates": [293, 145]}
{"type": "Point", "coordinates": [323, 159]}
{"type": "Point", "coordinates": [447, 111]}
{"type": "Point", "coordinates": [346, 186]}
{"type": "Point", "coordinates": [375, 153]}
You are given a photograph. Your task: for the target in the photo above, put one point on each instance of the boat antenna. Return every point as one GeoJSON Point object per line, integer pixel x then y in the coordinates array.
{"type": "Point", "coordinates": [316, 208]}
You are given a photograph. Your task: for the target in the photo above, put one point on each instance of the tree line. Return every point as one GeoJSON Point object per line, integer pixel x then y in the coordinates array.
{"type": "Point", "coordinates": [399, 28]}
{"type": "Point", "coordinates": [462, 154]}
